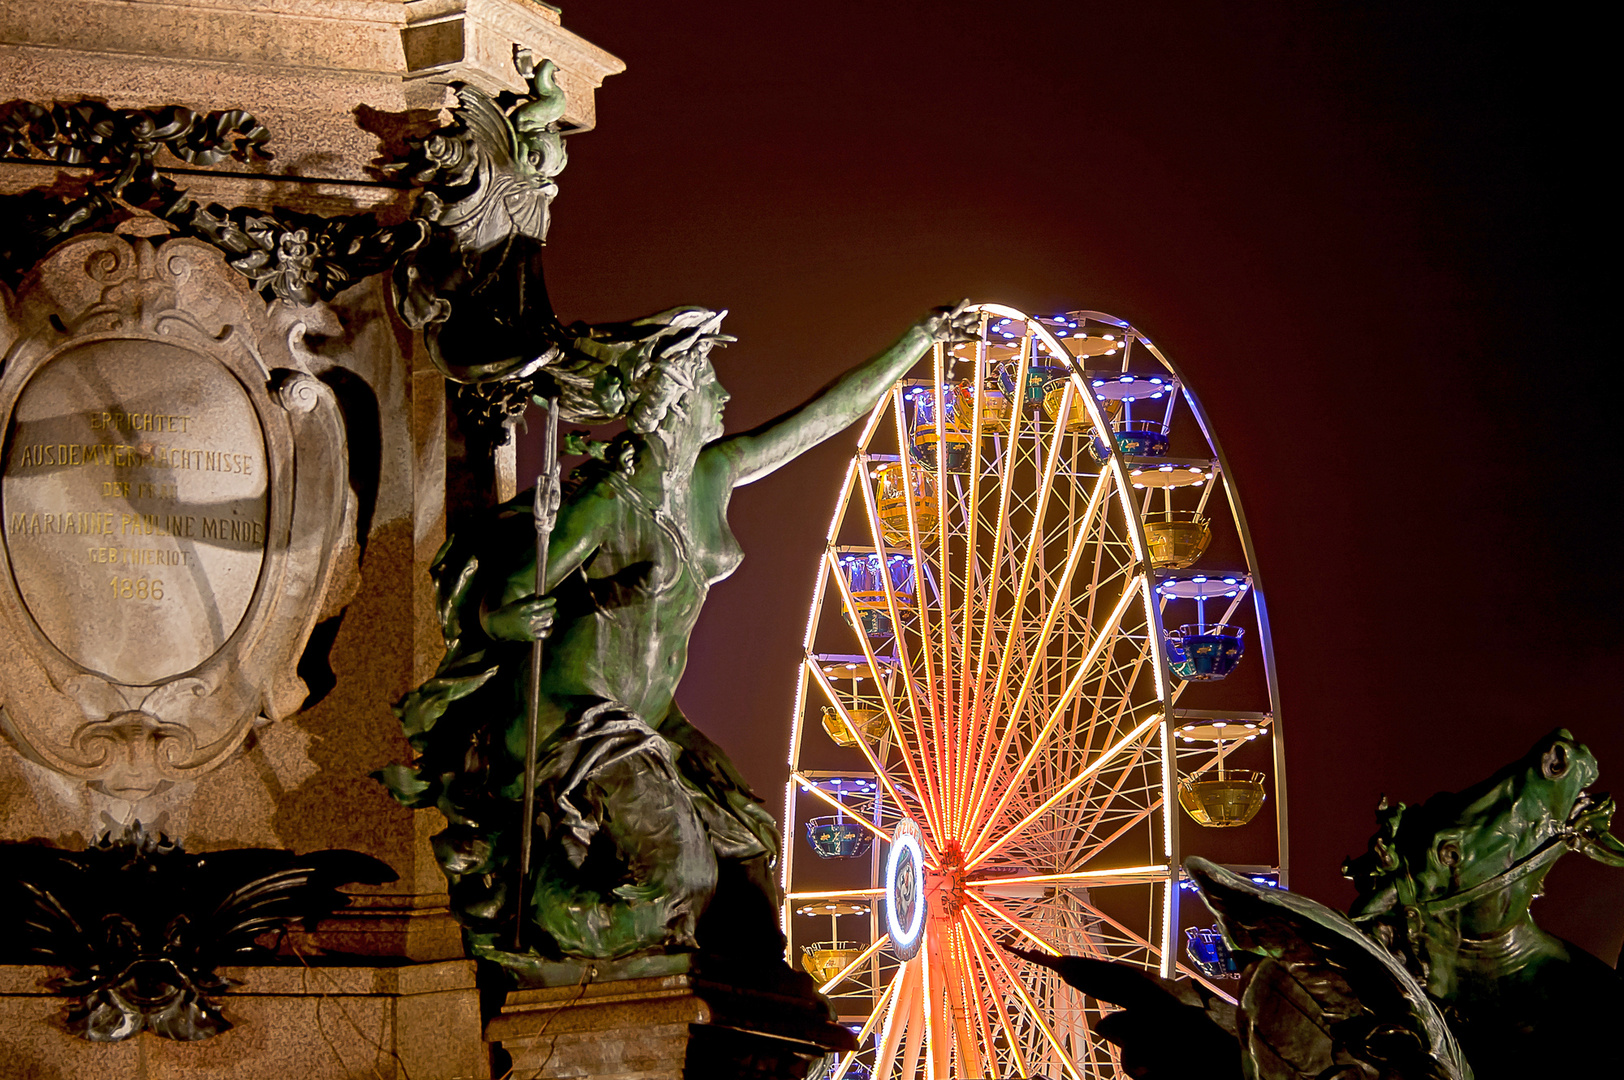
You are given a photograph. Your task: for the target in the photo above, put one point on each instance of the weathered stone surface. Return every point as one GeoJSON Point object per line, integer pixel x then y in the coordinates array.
{"type": "Point", "coordinates": [415, 1022]}
{"type": "Point", "coordinates": [135, 492]}
{"type": "Point", "coordinates": [303, 67]}
{"type": "Point", "coordinates": [673, 1027]}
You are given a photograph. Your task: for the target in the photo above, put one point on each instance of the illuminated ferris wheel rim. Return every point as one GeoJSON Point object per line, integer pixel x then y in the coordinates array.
{"type": "Point", "coordinates": [956, 865]}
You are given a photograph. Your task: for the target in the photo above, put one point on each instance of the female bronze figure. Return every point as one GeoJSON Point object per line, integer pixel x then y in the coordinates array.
{"type": "Point", "coordinates": [646, 837]}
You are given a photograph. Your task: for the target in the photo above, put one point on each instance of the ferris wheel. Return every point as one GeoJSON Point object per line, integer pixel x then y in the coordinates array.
{"type": "Point", "coordinates": [1037, 630]}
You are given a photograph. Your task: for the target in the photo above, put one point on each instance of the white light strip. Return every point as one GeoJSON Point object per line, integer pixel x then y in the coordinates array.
{"type": "Point", "coordinates": [1128, 874]}
{"type": "Point", "coordinates": [834, 894]}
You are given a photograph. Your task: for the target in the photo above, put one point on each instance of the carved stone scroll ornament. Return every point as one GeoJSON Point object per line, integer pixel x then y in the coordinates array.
{"type": "Point", "coordinates": [474, 285]}
{"type": "Point", "coordinates": [136, 926]}
{"type": "Point", "coordinates": [288, 255]}
{"type": "Point", "coordinates": [174, 500]}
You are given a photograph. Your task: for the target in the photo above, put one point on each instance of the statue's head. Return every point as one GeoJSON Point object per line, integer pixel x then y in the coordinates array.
{"type": "Point", "coordinates": [654, 372]}
{"type": "Point", "coordinates": [680, 400]}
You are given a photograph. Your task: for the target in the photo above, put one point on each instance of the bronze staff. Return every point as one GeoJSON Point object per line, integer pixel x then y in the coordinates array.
{"type": "Point", "coordinates": [544, 513]}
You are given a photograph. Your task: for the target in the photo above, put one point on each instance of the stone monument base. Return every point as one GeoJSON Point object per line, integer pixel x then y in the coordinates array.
{"type": "Point", "coordinates": [406, 1022]}
{"type": "Point", "coordinates": [678, 1026]}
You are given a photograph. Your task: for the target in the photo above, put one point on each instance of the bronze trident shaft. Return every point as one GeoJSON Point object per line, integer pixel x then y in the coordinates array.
{"type": "Point", "coordinates": [544, 513]}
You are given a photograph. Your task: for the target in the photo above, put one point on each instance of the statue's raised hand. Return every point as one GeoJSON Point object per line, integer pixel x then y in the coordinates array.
{"type": "Point", "coordinates": [530, 619]}
{"type": "Point", "coordinates": [952, 325]}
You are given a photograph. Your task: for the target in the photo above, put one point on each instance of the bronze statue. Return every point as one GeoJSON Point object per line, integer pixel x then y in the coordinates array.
{"type": "Point", "coordinates": [645, 838]}
{"type": "Point", "coordinates": [646, 835]}
{"type": "Point", "coordinates": [1447, 886]}
{"type": "Point", "coordinates": [1439, 972]}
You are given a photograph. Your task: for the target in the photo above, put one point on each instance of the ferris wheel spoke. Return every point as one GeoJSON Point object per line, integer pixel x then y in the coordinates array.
{"type": "Point", "coordinates": [875, 417]}
{"type": "Point", "coordinates": [1033, 1014]}
{"type": "Point", "coordinates": [896, 1019]}
{"type": "Point", "coordinates": [1152, 950]}
{"type": "Point", "coordinates": [862, 744]}
{"type": "Point", "coordinates": [964, 1001]}
{"type": "Point", "coordinates": [905, 801]}
{"type": "Point", "coordinates": [984, 853]}
{"type": "Point", "coordinates": [942, 700]}
{"type": "Point", "coordinates": [1132, 819]}
{"type": "Point", "coordinates": [1005, 918]}
{"type": "Point", "coordinates": [862, 958]}
{"type": "Point", "coordinates": [932, 813]}
{"type": "Point", "coordinates": [1127, 934]}
{"type": "Point", "coordinates": [1016, 779]}
{"type": "Point", "coordinates": [1123, 772]}
{"type": "Point", "coordinates": [879, 1012]}
{"type": "Point", "coordinates": [922, 784]}
{"type": "Point", "coordinates": [988, 766]}
{"type": "Point", "coordinates": [932, 707]}
{"type": "Point", "coordinates": [977, 740]}
{"type": "Point", "coordinates": [988, 979]}
{"type": "Point", "coordinates": [938, 1038]}
{"type": "Point", "coordinates": [834, 894]}
{"type": "Point", "coordinates": [1034, 545]}
{"type": "Point", "coordinates": [975, 583]}
{"type": "Point", "coordinates": [913, 1020]}
{"type": "Point", "coordinates": [841, 809]}
{"type": "Point", "coordinates": [1127, 875]}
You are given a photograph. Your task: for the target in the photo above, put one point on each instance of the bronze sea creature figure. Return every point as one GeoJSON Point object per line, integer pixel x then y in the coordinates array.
{"type": "Point", "coordinates": [1438, 972]}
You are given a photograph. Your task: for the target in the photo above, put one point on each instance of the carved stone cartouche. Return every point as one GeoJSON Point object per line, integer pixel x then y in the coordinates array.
{"type": "Point", "coordinates": [174, 504]}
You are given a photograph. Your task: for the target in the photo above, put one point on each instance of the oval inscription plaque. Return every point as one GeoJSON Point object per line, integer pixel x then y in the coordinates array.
{"type": "Point", "coordinates": [134, 502]}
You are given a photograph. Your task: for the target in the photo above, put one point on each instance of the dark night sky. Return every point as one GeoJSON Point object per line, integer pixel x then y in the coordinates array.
{"type": "Point", "coordinates": [1358, 228]}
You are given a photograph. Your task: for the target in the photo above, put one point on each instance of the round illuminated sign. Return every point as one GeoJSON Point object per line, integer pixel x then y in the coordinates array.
{"type": "Point", "coordinates": [905, 890]}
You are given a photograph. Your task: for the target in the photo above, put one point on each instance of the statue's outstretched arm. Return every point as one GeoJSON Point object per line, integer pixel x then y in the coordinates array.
{"type": "Point", "coordinates": [842, 403]}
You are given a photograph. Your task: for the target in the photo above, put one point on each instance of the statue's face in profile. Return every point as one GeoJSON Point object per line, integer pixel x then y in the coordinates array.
{"type": "Point", "coordinates": [708, 401]}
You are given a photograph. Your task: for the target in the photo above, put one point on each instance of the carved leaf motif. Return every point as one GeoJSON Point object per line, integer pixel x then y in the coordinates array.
{"type": "Point", "coordinates": [139, 925]}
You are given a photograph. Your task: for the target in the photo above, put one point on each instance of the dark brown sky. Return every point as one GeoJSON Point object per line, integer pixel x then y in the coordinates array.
{"type": "Point", "coordinates": [1362, 230]}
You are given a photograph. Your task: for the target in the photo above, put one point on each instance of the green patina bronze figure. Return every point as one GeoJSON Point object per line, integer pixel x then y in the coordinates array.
{"type": "Point", "coordinates": [647, 839]}
{"type": "Point", "coordinates": [1438, 972]}
{"type": "Point", "coordinates": [1447, 886]}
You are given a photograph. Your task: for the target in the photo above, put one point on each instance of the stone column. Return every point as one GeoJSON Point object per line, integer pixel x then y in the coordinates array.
{"type": "Point", "coordinates": [337, 83]}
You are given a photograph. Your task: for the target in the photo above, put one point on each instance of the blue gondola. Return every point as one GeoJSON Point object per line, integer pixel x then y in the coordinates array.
{"type": "Point", "coordinates": [955, 432]}
{"type": "Point", "coordinates": [1199, 653]}
{"type": "Point", "coordinates": [837, 837]}
{"type": "Point", "coordinates": [1135, 438]}
{"type": "Point", "coordinates": [1038, 378]}
{"type": "Point", "coordinates": [1209, 953]}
